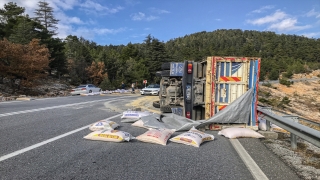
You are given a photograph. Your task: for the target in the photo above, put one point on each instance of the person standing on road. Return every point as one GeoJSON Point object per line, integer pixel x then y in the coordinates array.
{"type": "Point", "coordinates": [123, 86]}
{"type": "Point", "coordinates": [132, 86]}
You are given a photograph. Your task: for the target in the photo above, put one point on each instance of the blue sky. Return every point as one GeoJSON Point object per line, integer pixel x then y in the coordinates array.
{"type": "Point", "coordinates": [122, 21]}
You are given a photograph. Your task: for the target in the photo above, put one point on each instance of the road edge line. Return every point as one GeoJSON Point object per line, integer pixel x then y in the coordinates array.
{"type": "Point", "coordinates": [252, 166]}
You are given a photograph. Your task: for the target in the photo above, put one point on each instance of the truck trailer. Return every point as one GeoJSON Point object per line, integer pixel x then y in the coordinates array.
{"type": "Point", "coordinates": [199, 90]}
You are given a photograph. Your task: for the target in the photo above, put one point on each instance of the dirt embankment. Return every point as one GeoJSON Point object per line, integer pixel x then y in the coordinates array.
{"type": "Point", "coordinates": [300, 98]}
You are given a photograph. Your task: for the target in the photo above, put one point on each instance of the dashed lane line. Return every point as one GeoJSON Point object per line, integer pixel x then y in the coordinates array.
{"type": "Point", "coordinates": [16, 153]}
{"type": "Point", "coordinates": [55, 107]}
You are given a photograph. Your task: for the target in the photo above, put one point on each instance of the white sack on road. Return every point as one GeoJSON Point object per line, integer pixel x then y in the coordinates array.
{"type": "Point", "coordinates": [193, 137]}
{"type": "Point", "coordinates": [103, 125]}
{"type": "Point", "coordinates": [125, 120]}
{"type": "Point", "coordinates": [109, 135]}
{"type": "Point", "coordinates": [139, 123]}
{"type": "Point", "coordinates": [263, 126]}
{"type": "Point", "coordinates": [134, 114]}
{"type": "Point", "coordinates": [156, 136]}
{"type": "Point", "coordinates": [239, 132]}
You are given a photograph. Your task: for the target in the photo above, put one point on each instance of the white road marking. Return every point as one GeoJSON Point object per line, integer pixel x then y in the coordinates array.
{"type": "Point", "coordinates": [55, 107]}
{"type": "Point", "coordinates": [2, 158]}
{"type": "Point", "coordinates": [7, 102]}
{"type": "Point", "coordinates": [51, 98]}
{"type": "Point", "coordinates": [256, 172]}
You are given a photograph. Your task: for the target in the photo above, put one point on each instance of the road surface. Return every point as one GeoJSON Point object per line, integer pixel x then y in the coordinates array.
{"type": "Point", "coordinates": [43, 139]}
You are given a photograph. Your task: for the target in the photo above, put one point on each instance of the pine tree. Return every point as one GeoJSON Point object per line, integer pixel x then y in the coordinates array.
{"type": "Point", "coordinates": [44, 15]}
{"type": "Point", "coordinates": [8, 18]}
{"type": "Point", "coordinates": [24, 31]}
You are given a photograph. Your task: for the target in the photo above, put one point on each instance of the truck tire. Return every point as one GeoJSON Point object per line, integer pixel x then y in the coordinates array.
{"type": "Point", "coordinates": [156, 104]}
{"type": "Point", "coordinates": [166, 109]}
{"type": "Point", "coordinates": [165, 73]}
{"type": "Point", "coordinates": [165, 66]}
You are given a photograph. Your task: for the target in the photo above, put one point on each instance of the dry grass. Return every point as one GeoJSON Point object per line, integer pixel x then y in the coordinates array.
{"type": "Point", "coordinates": [310, 158]}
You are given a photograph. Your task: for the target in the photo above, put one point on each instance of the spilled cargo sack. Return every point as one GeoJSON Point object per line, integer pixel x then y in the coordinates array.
{"type": "Point", "coordinates": [129, 120]}
{"type": "Point", "coordinates": [103, 125]}
{"type": "Point", "coordinates": [262, 124]}
{"type": "Point", "coordinates": [156, 136]}
{"type": "Point", "coordinates": [134, 114]}
{"type": "Point", "coordinates": [239, 132]}
{"type": "Point", "coordinates": [193, 137]}
{"type": "Point", "coordinates": [139, 123]}
{"type": "Point", "coordinates": [109, 135]}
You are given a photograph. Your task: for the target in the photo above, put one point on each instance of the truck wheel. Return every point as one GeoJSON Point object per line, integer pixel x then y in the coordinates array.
{"type": "Point", "coordinates": [165, 109]}
{"type": "Point", "coordinates": [165, 66]}
{"type": "Point", "coordinates": [156, 104]}
{"type": "Point", "coordinates": [165, 73]}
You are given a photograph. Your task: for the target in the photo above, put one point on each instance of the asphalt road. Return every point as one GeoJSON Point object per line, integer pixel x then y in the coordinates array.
{"type": "Point", "coordinates": [43, 139]}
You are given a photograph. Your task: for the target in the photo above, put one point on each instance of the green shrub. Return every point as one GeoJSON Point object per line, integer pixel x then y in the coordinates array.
{"type": "Point", "coordinates": [106, 85]}
{"type": "Point", "coordinates": [263, 100]}
{"type": "Point", "coordinates": [288, 74]}
{"type": "Point", "coordinates": [285, 100]}
{"type": "Point", "coordinates": [267, 84]}
{"type": "Point", "coordinates": [285, 82]}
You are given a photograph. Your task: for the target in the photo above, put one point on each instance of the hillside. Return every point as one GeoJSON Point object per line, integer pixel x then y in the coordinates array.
{"type": "Point", "coordinates": [303, 97]}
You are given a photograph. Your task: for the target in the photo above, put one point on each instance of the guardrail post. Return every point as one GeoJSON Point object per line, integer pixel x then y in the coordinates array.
{"type": "Point", "coordinates": [293, 139]}
{"type": "Point", "coordinates": [268, 125]}
{"type": "Point", "coordinates": [268, 122]}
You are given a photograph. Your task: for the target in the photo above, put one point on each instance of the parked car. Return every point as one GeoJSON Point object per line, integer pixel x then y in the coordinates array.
{"type": "Point", "coordinates": [152, 89]}
{"type": "Point", "coordinates": [85, 89]}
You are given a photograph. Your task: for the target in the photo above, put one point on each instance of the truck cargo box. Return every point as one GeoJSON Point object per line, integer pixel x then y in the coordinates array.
{"type": "Point", "coordinates": [199, 90]}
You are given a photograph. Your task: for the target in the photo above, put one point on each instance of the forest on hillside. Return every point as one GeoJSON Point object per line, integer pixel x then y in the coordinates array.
{"type": "Point", "coordinates": [29, 51]}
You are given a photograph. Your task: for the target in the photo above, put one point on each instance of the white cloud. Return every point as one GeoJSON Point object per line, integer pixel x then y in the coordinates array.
{"type": "Point", "coordinates": [218, 19]}
{"type": "Point", "coordinates": [68, 20]}
{"type": "Point", "coordinates": [88, 33]}
{"type": "Point", "coordinates": [311, 35]}
{"type": "Point", "coordinates": [132, 2]}
{"type": "Point", "coordinates": [159, 11]}
{"type": "Point", "coordinates": [91, 6]}
{"type": "Point", "coordinates": [142, 17]}
{"type": "Point", "coordinates": [263, 9]}
{"type": "Point", "coordinates": [312, 13]}
{"type": "Point", "coordinates": [64, 30]}
{"type": "Point", "coordinates": [108, 31]}
{"type": "Point", "coordinates": [288, 24]}
{"type": "Point", "coordinates": [275, 17]}
{"type": "Point", "coordinates": [279, 21]}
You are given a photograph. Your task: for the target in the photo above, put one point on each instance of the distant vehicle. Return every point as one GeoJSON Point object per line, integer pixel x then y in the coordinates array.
{"type": "Point", "coordinates": [152, 89]}
{"type": "Point", "coordinates": [85, 89]}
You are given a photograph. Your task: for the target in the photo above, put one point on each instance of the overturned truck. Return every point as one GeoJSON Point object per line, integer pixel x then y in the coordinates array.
{"type": "Point", "coordinates": [199, 90]}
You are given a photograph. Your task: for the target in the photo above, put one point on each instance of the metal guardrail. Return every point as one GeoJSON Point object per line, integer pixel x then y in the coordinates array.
{"type": "Point", "coordinates": [299, 118]}
{"type": "Point", "coordinates": [295, 129]}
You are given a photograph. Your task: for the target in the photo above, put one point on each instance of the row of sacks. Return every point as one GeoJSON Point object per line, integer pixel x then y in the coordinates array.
{"type": "Point", "coordinates": [104, 130]}
{"type": "Point", "coordinates": [231, 132]}
{"type": "Point", "coordinates": [138, 118]}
